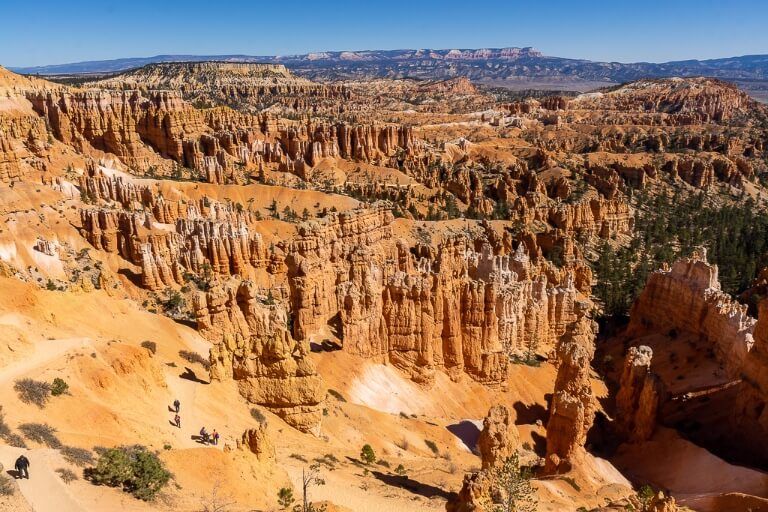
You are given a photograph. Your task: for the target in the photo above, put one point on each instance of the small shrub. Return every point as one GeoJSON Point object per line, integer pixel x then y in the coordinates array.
{"type": "Point", "coordinates": [66, 475]}
{"type": "Point", "coordinates": [133, 468]}
{"type": "Point", "coordinates": [6, 486]}
{"type": "Point", "coordinates": [77, 456]}
{"type": "Point", "coordinates": [285, 497]}
{"type": "Point", "coordinates": [15, 440]}
{"type": "Point", "coordinates": [298, 456]}
{"type": "Point", "coordinates": [32, 391]}
{"type": "Point", "coordinates": [5, 430]}
{"type": "Point", "coordinates": [645, 495]}
{"type": "Point", "coordinates": [174, 303]}
{"type": "Point", "coordinates": [328, 459]}
{"type": "Point", "coordinates": [432, 446]}
{"type": "Point", "coordinates": [367, 454]}
{"type": "Point", "coordinates": [150, 345]}
{"type": "Point", "coordinates": [59, 387]}
{"type": "Point", "coordinates": [258, 415]}
{"type": "Point", "coordinates": [338, 396]}
{"type": "Point", "coordinates": [400, 470]}
{"type": "Point", "coordinates": [194, 357]}
{"type": "Point", "coordinates": [166, 446]}
{"type": "Point", "coordinates": [41, 433]}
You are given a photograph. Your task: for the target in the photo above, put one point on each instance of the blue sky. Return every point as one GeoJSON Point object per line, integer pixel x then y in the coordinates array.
{"type": "Point", "coordinates": [52, 32]}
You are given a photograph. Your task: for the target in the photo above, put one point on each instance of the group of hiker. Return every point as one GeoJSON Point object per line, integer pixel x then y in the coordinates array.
{"type": "Point", "coordinates": [22, 462]}
{"type": "Point", "coordinates": [205, 436]}
{"type": "Point", "coordinates": [209, 438]}
{"type": "Point", "coordinates": [177, 408]}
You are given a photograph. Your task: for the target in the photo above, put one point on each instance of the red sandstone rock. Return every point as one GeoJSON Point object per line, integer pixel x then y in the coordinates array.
{"type": "Point", "coordinates": [639, 397]}
{"type": "Point", "coordinates": [573, 403]}
{"type": "Point", "coordinates": [252, 346]}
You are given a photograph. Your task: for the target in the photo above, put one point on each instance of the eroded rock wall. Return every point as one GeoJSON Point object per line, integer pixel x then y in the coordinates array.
{"type": "Point", "coordinates": [573, 402]}
{"type": "Point", "coordinates": [639, 397]}
{"type": "Point", "coordinates": [251, 344]}
{"type": "Point", "coordinates": [687, 297]}
{"type": "Point", "coordinates": [457, 307]}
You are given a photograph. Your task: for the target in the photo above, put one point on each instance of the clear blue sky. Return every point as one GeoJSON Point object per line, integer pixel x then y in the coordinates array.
{"type": "Point", "coordinates": [60, 31]}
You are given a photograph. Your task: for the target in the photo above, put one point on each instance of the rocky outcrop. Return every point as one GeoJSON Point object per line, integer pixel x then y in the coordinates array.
{"type": "Point", "coordinates": [193, 244]}
{"type": "Point", "coordinates": [23, 145]}
{"type": "Point", "coordinates": [452, 86]}
{"type": "Point", "coordinates": [751, 409]}
{"type": "Point", "coordinates": [639, 396]}
{"type": "Point", "coordinates": [252, 346]}
{"type": "Point", "coordinates": [46, 247]}
{"type": "Point", "coordinates": [680, 101]}
{"type": "Point", "coordinates": [24, 141]}
{"type": "Point", "coordinates": [159, 132]}
{"type": "Point", "coordinates": [687, 298]}
{"type": "Point", "coordinates": [597, 217]}
{"type": "Point", "coordinates": [235, 84]}
{"type": "Point", "coordinates": [573, 402]}
{"type": "Point", "coordinates": [457, 307]}
{"type": "Point", "coordinates": [258, 442]}
{"type": "Point", "coordinates": [498, 439]}
{"type": "Point", "coordinates": [369, 143]}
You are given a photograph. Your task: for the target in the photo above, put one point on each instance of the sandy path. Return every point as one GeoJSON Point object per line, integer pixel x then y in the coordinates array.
{"type": "Point", "coordinates": [186, 392]}
{"type": "Point", "coordinates": [44, 352]}
{"type": "Point", "coordinates": [44, 491]}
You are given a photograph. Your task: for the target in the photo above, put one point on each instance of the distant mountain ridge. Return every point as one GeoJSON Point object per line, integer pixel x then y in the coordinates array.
{"type": "Point", "coordinates": [508, 67]}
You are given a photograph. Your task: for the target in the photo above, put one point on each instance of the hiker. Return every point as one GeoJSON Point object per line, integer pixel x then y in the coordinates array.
{"type": "Point", "coordinates": [177, 405]}
{"type": "Point", "coordinates": [177, 420]}
{"type": "Point", "coordinates": [204, 435]}
{"type": "Point", "coordinates": [215, 437]}
{"type": "Point", "coordinates": [22, 467]}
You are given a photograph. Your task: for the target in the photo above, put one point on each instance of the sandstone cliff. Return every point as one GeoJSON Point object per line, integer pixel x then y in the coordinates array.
{"type": "Point", "coordinates": [573, 402]}
{"type": "Point", "coordinates": [687, 297]}
{"type": "Point", "coordinates": [639, 396]}
{"type": "Point", "coordinates": [452, 307]}
{"type": "Point", "coordinates": [252, 346]}
{"type": "Point", "coordinates": [498, 440]}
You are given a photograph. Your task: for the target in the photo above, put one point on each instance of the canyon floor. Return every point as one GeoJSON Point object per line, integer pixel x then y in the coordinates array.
{"type": "Point", "coordinates": [416, 266]}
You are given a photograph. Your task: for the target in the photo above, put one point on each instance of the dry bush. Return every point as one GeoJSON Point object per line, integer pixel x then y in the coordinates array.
{"type": "Point", "coordinates": [77, 456]}
{"type": "Point", "coordinates": [32, 391]}
{"type": "Point", "coordinates": [150, 345]}
{"type": "Point", "coordinates": [258, 415]}
{"type": "Point", "coordinates": [41, 433]}
{"type": "Point", "coordinates": [15, 440]}
{"type": "Point", "coordinates": [195, 358]}
{"type": "Point", "coordinates": [66, 475]}
{"type": "Point", "coordinates": [7, 488]}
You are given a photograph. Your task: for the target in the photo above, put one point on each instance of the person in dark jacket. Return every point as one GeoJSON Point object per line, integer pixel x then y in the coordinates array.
{"type": "Point", "coordinates": [22, 467]}
{"type": "Point", "coordinates": [177, 405]}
